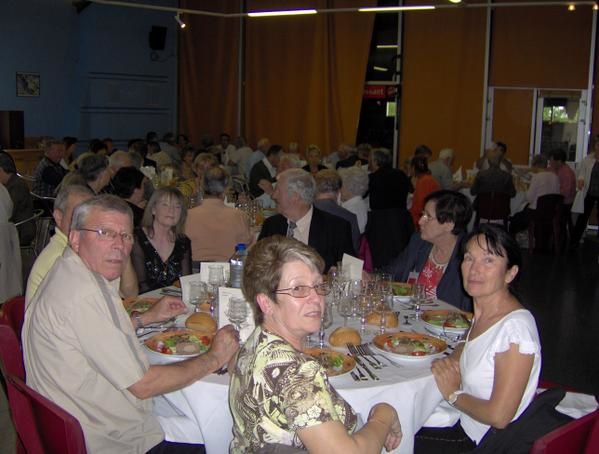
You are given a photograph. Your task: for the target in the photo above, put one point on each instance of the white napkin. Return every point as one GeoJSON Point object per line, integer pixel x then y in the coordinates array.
{"type": "Point", "coordinates": [224, 295]}
{"type": "Point", "coordinates": [457, 176]}
{"type": "Point", "coordinates": [352, 267]}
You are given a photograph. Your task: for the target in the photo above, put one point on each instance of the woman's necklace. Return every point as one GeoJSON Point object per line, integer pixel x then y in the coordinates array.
{"type": "Point", "coordinates": [439, 261]}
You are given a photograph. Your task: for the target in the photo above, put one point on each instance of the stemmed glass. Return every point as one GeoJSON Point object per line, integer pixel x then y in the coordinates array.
{"type": "Point", "coordinates": [215, 279]}
{"type": "Point", "coordinates": [237, 312]}
{"type": "Point", "coordinates": [197, 294]}
{"type": "Point", "coordinates": [325, 322]}
{"type": "Point", "coordinates": [418, 297]}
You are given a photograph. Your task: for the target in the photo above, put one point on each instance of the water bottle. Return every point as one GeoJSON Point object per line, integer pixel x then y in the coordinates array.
{"type": "Point", "coordinates": [236, 261]}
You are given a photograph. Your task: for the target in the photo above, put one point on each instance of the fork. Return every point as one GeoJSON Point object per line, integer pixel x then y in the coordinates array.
{"type": "Point", "coordinates": [354, 353]}
{"type": "Point", "coordinates": [366, 348]}
{"type": "Point", "coordinates": [365, 354]}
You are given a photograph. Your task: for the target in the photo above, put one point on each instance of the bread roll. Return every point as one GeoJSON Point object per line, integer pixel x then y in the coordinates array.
{"type": "Point", "coordinates": [344, 335]}
{"type": "Point", "coordinates": [201, 321]}
{"type": "Point", "coordinates": [391, 319]}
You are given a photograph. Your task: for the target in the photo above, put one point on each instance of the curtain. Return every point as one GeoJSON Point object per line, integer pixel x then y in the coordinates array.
{"type": "Point", "coordinates": [304, 75]}
{"type": "Point", "coordinates": [208, 70]}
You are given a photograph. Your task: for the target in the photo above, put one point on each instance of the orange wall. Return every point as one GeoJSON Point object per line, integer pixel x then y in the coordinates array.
{"type": "Point", "coordinates": [512, 113]}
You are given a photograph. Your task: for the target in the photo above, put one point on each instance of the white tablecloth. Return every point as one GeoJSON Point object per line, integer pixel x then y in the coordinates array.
{"type": "Point", "coordinates": [411, 389]}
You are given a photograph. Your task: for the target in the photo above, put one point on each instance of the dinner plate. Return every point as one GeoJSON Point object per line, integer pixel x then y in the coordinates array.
{"type": "Point", "coordinates": [139, 304]}
{"type": "Point", "coordinates": [154, 343]}
{"type": "Point", "coordinates": [325, 355]}
{"type": "Point", "coordinates": [440, 321]}
{"type": "Point", "coordinates": [408, 341]}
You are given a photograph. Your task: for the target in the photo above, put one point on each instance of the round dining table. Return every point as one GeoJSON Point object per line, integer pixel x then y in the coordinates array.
{"type": "Point", "coordinates": [203, 411]}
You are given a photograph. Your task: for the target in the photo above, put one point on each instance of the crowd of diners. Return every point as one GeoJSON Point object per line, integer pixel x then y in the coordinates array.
{"type": "Point", "coordinates": [116, 236]}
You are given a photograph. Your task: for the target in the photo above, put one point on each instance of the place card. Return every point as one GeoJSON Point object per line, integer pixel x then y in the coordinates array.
{"type": "Point", "coordinates": [225, 294]}
{"type": "Point", "coordinates": [205, 269]}
{"type": "Point", "coordinates": [185, 281]}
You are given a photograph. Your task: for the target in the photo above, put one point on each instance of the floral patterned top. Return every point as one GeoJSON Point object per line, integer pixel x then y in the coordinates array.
{"type": "Point", "coordinates": [276, 390]}
{"type": "Point", "coordinates": [431, 275]}
{"type": "Point", "coordinates": [152, 272]}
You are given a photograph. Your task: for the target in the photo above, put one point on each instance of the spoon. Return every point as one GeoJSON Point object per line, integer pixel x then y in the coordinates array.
{"type": "Point", "coordinates": [407, 321]}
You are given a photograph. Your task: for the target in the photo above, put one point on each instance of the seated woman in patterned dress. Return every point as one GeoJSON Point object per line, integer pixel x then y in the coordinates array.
{"type": "Point", "coordinates": [162, 253]}
{"type": "Point", "coordinates": [279, 395]}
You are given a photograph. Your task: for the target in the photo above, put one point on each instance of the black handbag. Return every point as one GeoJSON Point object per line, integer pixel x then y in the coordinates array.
{"type": "Point", "coordinates": [539, 418]}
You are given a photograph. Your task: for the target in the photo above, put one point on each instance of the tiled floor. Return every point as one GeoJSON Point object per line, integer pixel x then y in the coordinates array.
{"type": "Point", "coordinates": [562, 293]}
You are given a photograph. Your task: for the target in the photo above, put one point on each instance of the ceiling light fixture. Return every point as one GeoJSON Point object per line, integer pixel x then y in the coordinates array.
{"type": "Point", "coordinates": [387, 46]}
{"type": "Point", "coordinates": [179, 21]}
{"type": "Point", "coordinates": [395, 9]}
{"type": "Point", "coordinates": [380, 68]}
{"type": "Point", "coordinates": [455, 1]}
{"type": "Point", "coordinates": [571, 7]}
{"type": "Point", "coordinates": [293, 12]}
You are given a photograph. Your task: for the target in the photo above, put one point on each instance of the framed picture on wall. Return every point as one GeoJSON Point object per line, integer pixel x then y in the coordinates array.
{"type": "Point", "coordinates": [28, 84]}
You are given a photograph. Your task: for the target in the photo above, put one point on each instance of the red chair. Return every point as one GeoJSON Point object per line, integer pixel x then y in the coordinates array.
{"type": "Point", "coordinates": [11, 355]}
{"type": "Point", "coordinates": [43, 426]}
{"type": "Point", "coordinates": [492, 206]}
{"type": "Point", "coordinates": [570, 438]}
{"type": "Point", "coordinates": [593, 439]}
{"type": "Point", "coordinates": [13, 311]}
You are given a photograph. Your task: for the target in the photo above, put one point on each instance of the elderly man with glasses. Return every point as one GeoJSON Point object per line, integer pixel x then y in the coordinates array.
{"type": "Point", "coordinates": [80, 347]}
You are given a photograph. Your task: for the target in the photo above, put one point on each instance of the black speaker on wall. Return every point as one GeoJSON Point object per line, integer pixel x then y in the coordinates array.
{"type": "Point", "coordinates": [157, 37]}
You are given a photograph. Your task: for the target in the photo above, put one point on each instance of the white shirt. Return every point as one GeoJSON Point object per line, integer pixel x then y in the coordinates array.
{"type": "Point", "coordinates": [477, 363]}
{"type": "Point", "coordinates": [358, 206]}
{"type": "Point", "coordinates": [541, 184]}
{"type": "Point", "coordinates": [271, 169]}
{"type": "Point", "coordinates": [302, 227]}
{"type": "Point", "coordinates": [5, 204]}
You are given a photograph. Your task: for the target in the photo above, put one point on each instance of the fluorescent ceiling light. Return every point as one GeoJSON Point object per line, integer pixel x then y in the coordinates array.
{"type": "Point", "coordinates": [386, 46]}
{"type": "Point", "coordinates": [380, 68]}
{"type": "Point", "coordinates": [295, 12]}
{"type": "Point", "coordinates": [392, 9]}
{"type": "Point", "coordinates": [455, 1]}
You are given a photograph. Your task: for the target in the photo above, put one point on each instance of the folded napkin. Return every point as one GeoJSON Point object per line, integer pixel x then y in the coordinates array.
{"type": "Point", "coordinates": [457, 176]}
{"type": "Point", "coordinates": [352, 267]}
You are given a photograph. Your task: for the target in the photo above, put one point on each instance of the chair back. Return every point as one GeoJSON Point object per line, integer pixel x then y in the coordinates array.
{"type": "Point", "coordinates": [11, 355]}
{"type": "Point", "coordinates": [13, 315]}
{"type": "Point", "coordinates": [546, 226]}
{"type": "Point", "coordinates": [42, 426]}
{"type": "Point", "coordinates": [571, 437]}
{"type": "Point", "coordinates": [492, 206]}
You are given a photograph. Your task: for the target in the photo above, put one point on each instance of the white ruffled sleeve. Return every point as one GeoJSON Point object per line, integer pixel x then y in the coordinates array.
{"type": "Point", "coordinates": [519, 329]}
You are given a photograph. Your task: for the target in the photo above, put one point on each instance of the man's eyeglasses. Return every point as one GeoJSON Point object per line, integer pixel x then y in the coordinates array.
{"type": "Point", "coordinates": [111, 235]}
{"type": "Point", "coordinates": [302, 291]}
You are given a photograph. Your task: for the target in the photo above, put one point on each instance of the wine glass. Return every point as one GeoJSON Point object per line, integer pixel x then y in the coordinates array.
{"type": "Point", "coordinates": [418, 297]}
{"type": "Point", "coordinates": [237, 312]}
{"type": "Point", "coordinates": [216, 278]}
{"type": "Point", "coordinates": [197, 294]}
{"type": "Point", "coordinates": [326, 320]}
{"type": "Point", "coordinates": [345, 307]}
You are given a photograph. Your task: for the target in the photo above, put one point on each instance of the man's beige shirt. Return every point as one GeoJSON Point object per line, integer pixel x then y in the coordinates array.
{"type": "Point", "coordinates": [81, 352]}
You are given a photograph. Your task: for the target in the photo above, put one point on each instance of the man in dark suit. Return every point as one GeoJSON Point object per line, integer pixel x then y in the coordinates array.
{"type": "Point", "coordinates": [266, 169]}
{"type": "Point", "coordinates": [298, 218]}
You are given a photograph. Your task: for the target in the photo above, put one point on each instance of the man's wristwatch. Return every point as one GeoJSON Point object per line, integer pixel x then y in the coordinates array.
{"type": "Point", "coordinates": [451, 399]}
{"type": "Point", "coordinates": [137, 317]}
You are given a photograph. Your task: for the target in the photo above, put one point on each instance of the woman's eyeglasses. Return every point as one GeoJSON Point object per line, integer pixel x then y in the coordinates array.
{"type": "Point", "coordinates": [302, 291]}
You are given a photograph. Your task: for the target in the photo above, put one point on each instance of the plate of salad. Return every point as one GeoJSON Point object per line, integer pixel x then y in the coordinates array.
{"type": "Point", "coordinates": [447, 321]}
{"type": "Point", "coordinates": [335, 363]}
{"type": "Point", "coordinates": [138, 304]}
{"type": "Point", "coordinates": [179, 344]}
{"type": "Point", "coordinates": [410, 347]}
{"type": "Point", "coordinates": [402, 291]}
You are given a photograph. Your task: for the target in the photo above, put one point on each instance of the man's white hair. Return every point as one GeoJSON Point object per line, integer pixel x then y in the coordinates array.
{"type": "Point", "coordinates": [446, 153]}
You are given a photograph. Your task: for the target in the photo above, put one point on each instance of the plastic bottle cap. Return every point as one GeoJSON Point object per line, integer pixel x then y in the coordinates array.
{"type": "Point", "coordinates": [240, 247]}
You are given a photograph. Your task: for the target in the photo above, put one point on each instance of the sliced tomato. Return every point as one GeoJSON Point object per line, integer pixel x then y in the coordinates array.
{"type": "Point", "coordinates": [205, 340]}
{"type": "Point", "coordinates": [418, 353]}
